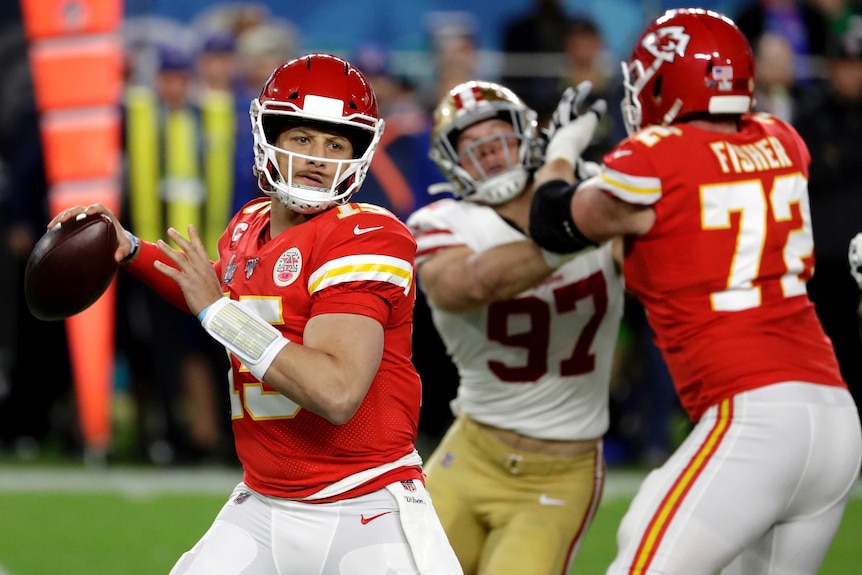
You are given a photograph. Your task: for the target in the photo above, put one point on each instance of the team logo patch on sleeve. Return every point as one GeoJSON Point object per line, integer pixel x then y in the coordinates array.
{"type": "Point", "coordinates": [287, 267]}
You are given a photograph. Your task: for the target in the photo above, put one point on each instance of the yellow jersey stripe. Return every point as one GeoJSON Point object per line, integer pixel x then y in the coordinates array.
{"type": "Point", "coordinates": [362, 268]}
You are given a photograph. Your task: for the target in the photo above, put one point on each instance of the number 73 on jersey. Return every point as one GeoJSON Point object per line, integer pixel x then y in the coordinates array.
{"type": "Point", "coordinates": [754, 204]}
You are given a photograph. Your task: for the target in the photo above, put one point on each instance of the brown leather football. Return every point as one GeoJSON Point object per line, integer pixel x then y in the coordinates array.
{"type": "Point", "coordinates": [70, 267]}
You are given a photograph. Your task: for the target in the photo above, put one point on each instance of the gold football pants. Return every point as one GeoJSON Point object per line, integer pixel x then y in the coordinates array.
{"type": "Point", "coordinates": [508, 512]}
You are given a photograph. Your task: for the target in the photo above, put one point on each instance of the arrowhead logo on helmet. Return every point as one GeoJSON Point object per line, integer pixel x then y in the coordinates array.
{"type": "Point", "coordinates": [688, 61]}
{"type": "Point", "coordinates": [667, 43]}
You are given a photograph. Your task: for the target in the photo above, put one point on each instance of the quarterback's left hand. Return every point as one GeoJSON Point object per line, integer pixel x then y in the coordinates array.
{"type": "Point", "coordinates": [855, 257]}
{"type": "Point", "coordinates": [192, 269]}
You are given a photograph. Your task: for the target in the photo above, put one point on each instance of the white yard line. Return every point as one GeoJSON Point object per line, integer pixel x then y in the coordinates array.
{"type": "Point", "coordinates": [211, 481]}
{"type": "Point", "coordinates": [129, 482]}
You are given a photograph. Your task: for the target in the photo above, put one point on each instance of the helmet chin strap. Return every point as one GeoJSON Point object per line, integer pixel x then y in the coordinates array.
{"type": "Point", "coordinates": [304, 203]}
{"type": "Point", "coordinates": [671, 114]}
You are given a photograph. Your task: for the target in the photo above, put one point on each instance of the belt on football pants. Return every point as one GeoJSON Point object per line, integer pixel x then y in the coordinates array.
{"type": "Point", "coordinates": [520, 462]}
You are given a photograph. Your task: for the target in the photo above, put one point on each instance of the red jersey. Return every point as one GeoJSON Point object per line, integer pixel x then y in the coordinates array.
{"type": "Point", "coordinates": [722, 272]}
{"type": "Point", "coordinates": [355, 259]}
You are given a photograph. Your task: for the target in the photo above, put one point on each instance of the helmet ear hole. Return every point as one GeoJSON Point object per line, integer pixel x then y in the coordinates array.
{"type": "Point", "coordinates": [656, 89]}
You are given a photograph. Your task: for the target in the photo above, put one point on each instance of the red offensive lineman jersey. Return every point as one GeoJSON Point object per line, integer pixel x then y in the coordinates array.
{"type": "Point", "coordinates": [358, 259]}
{"type": "Point", "coordinates": [722, 272]}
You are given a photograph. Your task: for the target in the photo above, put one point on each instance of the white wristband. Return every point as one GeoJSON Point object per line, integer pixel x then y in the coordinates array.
{"type": "Point", "coordinates": [244, 334]}
{"type": "Point", "coordinates": [570, 141]}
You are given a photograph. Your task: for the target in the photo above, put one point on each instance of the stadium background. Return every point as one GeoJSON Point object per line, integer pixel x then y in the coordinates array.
{"type": "Point", "coordinates": [341, 25]}
{"type": "Point", "coordinates": [138, 520]}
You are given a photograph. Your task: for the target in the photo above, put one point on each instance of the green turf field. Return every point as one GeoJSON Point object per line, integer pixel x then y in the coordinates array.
{"type": "Point", "coordinates": [74, 521]}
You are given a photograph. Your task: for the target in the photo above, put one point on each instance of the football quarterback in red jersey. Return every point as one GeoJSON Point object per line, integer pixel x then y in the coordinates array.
{"type": "Point", "coordinates": [312, 296]}
{"type": "Point", "coordinates": [712, 201]}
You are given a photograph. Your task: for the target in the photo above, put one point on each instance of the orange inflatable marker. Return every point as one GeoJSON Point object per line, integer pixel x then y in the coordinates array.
{"type": "Point", "coordinates": [91, 66]}
{"type": "Point", "coordinates": [52, 18]}
{"type": "Point", "coordinates": [76, 61]}
{"type": "Point", "coordinates": [82, 144]}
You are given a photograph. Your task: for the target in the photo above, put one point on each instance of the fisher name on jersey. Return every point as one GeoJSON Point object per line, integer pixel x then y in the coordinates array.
{"type": "Point", "coordinates": [529, 363]}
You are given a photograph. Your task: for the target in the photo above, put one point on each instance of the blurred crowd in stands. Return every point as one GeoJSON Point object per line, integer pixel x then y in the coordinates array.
{"type": "Point", "coordinates": [199, 76]}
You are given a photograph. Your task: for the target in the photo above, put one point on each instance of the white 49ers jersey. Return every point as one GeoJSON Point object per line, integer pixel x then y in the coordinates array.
{"type": "Point", "coordinates": [539, 363]}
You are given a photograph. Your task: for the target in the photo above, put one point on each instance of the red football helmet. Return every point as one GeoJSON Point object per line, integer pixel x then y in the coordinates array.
{"type": "Point", "coordinates": [315, 89]}
{"type": "Point", "coordinates": [688, 60]}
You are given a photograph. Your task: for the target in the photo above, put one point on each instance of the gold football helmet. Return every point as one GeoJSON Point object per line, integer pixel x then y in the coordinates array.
{"type": "Point", "coordinates": [465, 105]}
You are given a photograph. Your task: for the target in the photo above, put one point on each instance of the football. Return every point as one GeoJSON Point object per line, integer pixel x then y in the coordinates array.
{"type": "Point", "coordinates": [70, 267]}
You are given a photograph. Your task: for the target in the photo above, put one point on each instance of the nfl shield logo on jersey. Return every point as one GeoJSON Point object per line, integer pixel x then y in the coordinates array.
{"type": "Point", "coordinates": [241, 497]}
{"type": "Point", "coordinates": [408, 485]}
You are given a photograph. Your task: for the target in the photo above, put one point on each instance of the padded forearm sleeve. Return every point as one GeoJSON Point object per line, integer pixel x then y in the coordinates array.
{"type": "Point", "coordinates": [244, 333]}
{"type": "Point", "coordinates": [551, 224]}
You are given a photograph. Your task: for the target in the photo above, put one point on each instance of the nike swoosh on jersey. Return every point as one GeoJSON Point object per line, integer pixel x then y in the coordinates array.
{"type": "Point", "coordinates": [544, 499]}
{"type": "Point", "coordinates": [365, 520]}
{"type": "Point", "coordinates": [359, 231]}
